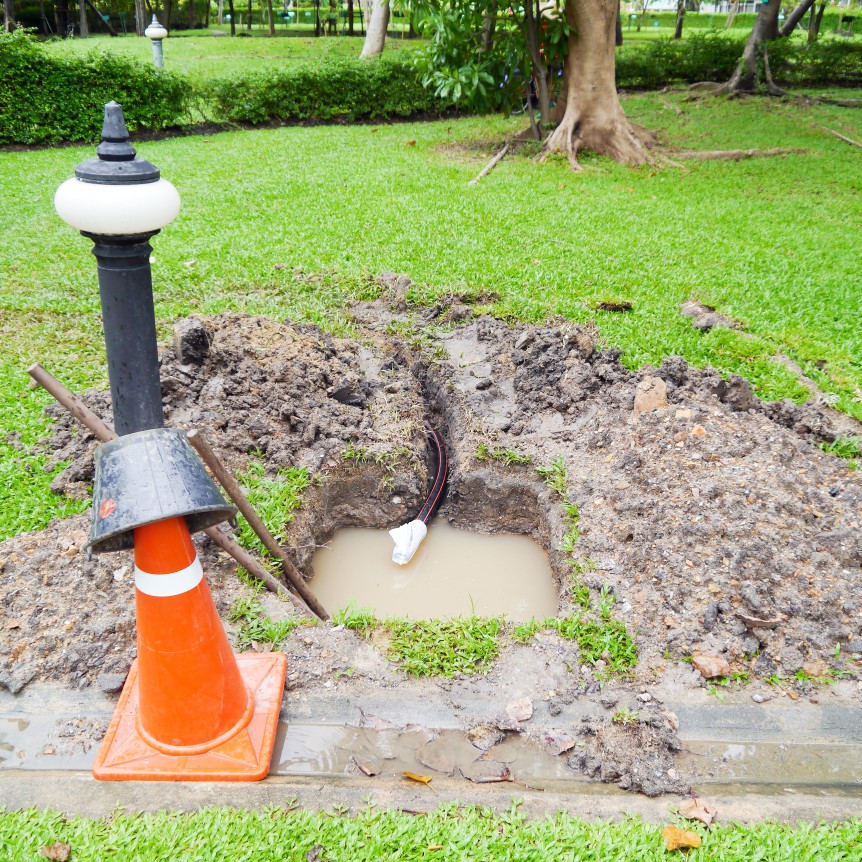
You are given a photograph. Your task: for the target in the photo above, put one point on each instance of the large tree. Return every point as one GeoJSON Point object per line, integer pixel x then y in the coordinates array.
{"type": "Point", "coordinates": [765, 29]}
{"type": "Point", "coordinates": [489, 54]}
{"type": "Point", "coordinates": [588, 112]}
{"type": "Point", "coordinates": [377, 15]}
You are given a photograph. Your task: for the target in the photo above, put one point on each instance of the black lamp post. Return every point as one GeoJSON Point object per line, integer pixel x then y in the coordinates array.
{"type": "Point", "coordinates": [120, 202]}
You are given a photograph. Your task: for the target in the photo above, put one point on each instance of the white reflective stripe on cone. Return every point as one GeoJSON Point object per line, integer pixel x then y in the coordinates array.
{"type": "Point", "coordinates": [174, 584]}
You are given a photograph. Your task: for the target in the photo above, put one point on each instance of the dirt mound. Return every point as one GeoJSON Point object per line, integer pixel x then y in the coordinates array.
{"type": "Point", "coordinates": [711, 520]}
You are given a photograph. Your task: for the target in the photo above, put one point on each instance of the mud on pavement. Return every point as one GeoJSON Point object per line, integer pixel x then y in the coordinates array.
{"type": "Point", "coordinates": [713, 519]}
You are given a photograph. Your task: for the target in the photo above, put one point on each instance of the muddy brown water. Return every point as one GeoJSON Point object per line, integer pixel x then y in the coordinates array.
{"type": "Point", "coordinates": [454, 572]}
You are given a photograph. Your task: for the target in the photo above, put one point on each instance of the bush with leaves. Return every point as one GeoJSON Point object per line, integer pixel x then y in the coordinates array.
{"type": "Point", "coordinates": [46, 99]}
{"type": "Point", "coordinates": [349, 89]}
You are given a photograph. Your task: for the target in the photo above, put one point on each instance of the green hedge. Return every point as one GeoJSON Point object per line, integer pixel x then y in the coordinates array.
{"type": "Point", "coordinates": [713, 57]}
{"type": "Point", "coordinates": [742, 21]}
{"type": "Point", "coordinates": [46, 99]}
{"type": "Point", "coordinates": [335, 89]}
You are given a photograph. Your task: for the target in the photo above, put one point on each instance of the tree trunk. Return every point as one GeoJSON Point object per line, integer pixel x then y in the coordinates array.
{"type": "Point", "coordinates": [349, 17]}
{"type": "Point", "coordinates": [9, 23]}
{"type": "Point", "coordinates": [232, 17]}
{"type": "Point", "coordinates": [140, 18]}
{"type": "Point", "coordinates": [220, 13]}
{"type": "Point", "coordinates": [589, 111]}
{"type": "Point", "coordinates": [375, 40]}
{"type": "Point", "coordinates": [731, 14]}
{"type": "Point", "coordinates": [83, 27]}
{"type": "Point", "coordinates": [680, 16]}
{"type": "Point", "coordinates": [489, 26]}
{"type": "Point", "coordinates": [532, 22]}
{"type": "Point", "coordinates": [795, 17]}
{"type": "Point", "coordinates": [271, 17]}
{"type": "Point", "coordinates": [61, 17]}
{"type": "Point", "coordinates": [814, 23]}
{"type": "Point", "coordinates": [191, 14]}
{"type": "Point", "coordinates": [744, 78]}
{"type": "Point", "coordinates": [169, 8]}
{"type": "Point", "coordinates": [618, 35]}
{"type": "Point", "coordinates": [249, 15]}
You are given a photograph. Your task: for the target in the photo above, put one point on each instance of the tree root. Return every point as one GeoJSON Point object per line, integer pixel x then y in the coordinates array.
{"type": "Point", "coordinates": [736, 155]}
{"type": "Point", "coordinates": [498, 157]}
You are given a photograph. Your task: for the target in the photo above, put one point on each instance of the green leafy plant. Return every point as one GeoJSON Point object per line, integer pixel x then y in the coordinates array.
{"type": "Point", "coordinates": [556, 476]}
{"type": "Point", "coordinates": [625, 717]}
{"type": "Point", "coordinates": [849, 448]}
{"type": "Point", "coordinates": [505, 456]}
{"type": "Point", "coordinates": [253, 626]}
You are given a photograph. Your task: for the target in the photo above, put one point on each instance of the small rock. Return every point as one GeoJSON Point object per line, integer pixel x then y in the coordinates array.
{"type": "Point", "coordinates": [520, 709]}
{"type": "Point", "coordinates": [650, 395]}
{"type": "Point", "coordinates": [484, 383]}
{"type": "Point", "coordinates": [484, 736]}
{"type": "Point", "coordinates": [523, 340]}
{"type": "Point", "coordinates": [710, 665]}
{"type": "Point", "coordinates": [191, 341]}
{"type": "Point", "coordinates": [758, 698]}
{"type": "Point", "coordinates": [644, 698]}
{"type": "Point", "coordinates": [854, 647]}
{"type": "Point", "coordinates": [609, 701]}
{"type": "Point", "coordinates": [460, 312]}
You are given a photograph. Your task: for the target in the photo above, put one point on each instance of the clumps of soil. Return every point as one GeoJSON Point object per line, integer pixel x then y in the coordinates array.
{"type": "Point", "coordinates": [635, 754]}
{"type": "Point", "coordinates": [709, 508]}
{"type": "Point", "coordinates": [289, 395]}
{"type": "Point", "coordinates": [704, 317]}
{"type": "Point", "coordinates": [702, 513]}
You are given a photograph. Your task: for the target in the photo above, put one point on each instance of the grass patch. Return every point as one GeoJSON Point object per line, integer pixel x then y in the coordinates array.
{"type": "Point", "coordinates": [275, 500]}
{"type": "Point", "coordinates": [504, 456]}
{"type": "Point", "coordinates": [849, 448]}
{"type": "Point", "coordinates": [423, 648]}
{"type": "Point", "coordinates": [302, 205]}
{"type": "Point", "coordinates": [373, 834]}
{"type": "Point", "coordinates": [256, 628]}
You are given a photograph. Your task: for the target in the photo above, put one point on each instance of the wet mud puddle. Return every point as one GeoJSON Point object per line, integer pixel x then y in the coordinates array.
{"type": "Point", "coordinates": [453, 573]}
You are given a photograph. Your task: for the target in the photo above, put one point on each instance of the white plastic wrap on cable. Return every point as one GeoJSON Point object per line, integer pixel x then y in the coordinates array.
{"type": "Point", "coordinates": [407, 539]}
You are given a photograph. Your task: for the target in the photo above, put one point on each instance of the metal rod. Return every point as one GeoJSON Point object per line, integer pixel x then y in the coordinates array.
{"type": "Point", "coordinates": [104, 432]}
{"type": "Point", "coordinates": [231, 486]}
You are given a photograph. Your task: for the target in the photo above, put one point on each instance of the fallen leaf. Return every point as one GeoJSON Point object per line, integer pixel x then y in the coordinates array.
{"type": "Point", "coordinates": [422, 779]}
{"type": "Point", "coordinates": [189, 263]}
{"type": "Point", "coordinates": [678, 839]}
{"type": "Point", "coordinates": [558, 742]}
{"type": "Point", "coordinates": [435, 846]}
{"type": "Point", "coordinates": [410, 143]}
{"type": "Point", "coordinates": [373, 131]}
{"type": "Point", "coordinates": [792, 695]}
{"type": "Point", "coordinates": [316, 854]}
{"type": "Point", "coordinates": [696, 809]}
{"type": "Point", "coordinates": [520, 709]}
{"type": "Point", "coordinates": [672, 720]}
{"type": "Point", "coordinates": [57, 851]}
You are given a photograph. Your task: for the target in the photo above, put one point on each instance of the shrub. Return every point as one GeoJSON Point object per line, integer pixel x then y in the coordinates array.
{"type": "Point", "coordinates": [334, 89]}
{"type": "Point", "coordinates": [713, 57]}
{"type": "Point", "coordinates": [46, 99]}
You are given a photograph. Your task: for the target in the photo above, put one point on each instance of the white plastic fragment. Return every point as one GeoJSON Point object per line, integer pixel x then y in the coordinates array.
{"type": "Point", "coordinates": [407, 539]}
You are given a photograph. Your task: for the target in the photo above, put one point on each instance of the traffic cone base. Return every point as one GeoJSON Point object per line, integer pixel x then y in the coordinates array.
{"type": "Point", "coordinates": [241, 754]}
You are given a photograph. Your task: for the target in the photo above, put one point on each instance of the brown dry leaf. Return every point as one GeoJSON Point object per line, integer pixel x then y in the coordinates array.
{"type": "Point", "coordinates": [411, 143]}
{"type": "Point", "coordinates": [678, 839]}
{"type": "Point", "coordinates": [435, 846]}
{"type": "Point", "coordinates": [520, 709]}
{"type": "Point", "coordinates": [697, 809]}
{"type": "Point", "coordinates": [57, 851]}
{"type": "Point", "coordinates": [422, 779]}
{"type": "Point", "coordinates": [316, 854]}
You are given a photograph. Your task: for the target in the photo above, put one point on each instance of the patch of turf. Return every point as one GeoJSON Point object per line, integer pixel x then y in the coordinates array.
{"type": "Point", "coordinates": [448, 832]}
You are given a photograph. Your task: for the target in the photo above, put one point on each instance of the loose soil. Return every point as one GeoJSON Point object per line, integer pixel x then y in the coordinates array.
{"type": "Point", "coordinates": [714, 519]}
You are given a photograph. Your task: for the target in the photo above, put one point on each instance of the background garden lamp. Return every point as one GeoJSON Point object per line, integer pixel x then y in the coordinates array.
{"type": "Point", "coordinates": [156, 33]}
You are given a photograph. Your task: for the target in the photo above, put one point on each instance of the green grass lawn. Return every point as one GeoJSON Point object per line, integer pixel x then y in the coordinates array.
{"type": "Point", "coordinates": [448, 833]}
{"type": "Point", "coordinates": [205, 56]}
{"type": "Point", "coordinates": [774, 243]}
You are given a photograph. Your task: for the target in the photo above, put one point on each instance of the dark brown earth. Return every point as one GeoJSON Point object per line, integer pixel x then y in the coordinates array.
{"type": "Point", "coordinates": [714, 518]}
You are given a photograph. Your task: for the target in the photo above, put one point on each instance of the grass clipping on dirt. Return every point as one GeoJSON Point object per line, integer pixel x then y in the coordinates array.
{"type": "Point", "coordinates": [451, 832]}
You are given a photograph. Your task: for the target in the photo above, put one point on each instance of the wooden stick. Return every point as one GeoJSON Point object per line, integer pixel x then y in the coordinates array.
{"type": "Point", "coordinates": [104, 432]}
{"type": "Point", "coordinates": [231, 486]}
{"type": "Point", "coordinates": [735, 155]}
{"type": "Point", "coordinates": [839, 135]}
{"type": "Point", "coordinates": [491, 165]}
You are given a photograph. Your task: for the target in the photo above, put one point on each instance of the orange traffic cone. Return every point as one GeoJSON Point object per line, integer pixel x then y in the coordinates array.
{"type": "Point", "coordinates": [190, 710]}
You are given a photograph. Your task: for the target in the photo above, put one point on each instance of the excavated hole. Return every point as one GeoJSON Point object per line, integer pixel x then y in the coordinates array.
{"type": "Point", "coordinates": [453, 573]}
